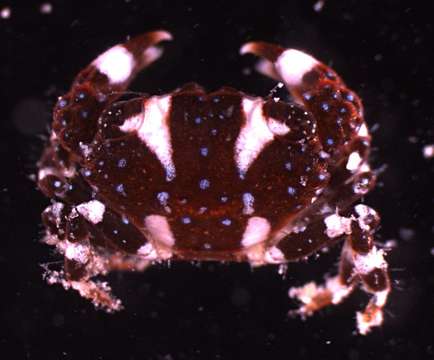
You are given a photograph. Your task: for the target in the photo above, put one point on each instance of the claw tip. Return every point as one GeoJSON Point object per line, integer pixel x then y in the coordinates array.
{"type": "Point", "coordinates": [247, 48]}
{"type": "Point", "coordinates": [163, 35]}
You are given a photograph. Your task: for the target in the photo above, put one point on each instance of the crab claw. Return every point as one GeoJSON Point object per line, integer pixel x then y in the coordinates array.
{"type": "Point", "coordinates": [122, 62]}
{"type": "Point", "coordinates": [98, 85]}
{"type": "Point", "coordinates": [143, 49]}
{"type": "Point", "coordinates": [287, 65]}
{"type": "Point", "coordinates": [269, 52]}
{"type": "Point", "coordinates": [318, 88]}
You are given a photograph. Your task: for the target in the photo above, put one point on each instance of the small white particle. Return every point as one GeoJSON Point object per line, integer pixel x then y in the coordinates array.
{"type": "Point", "coordinates": [318, 6]}
{"type": "Point", "coordinates": [5, 13]}
{"type": "Point", "coordinates": [354, 161]}
{"type": "Point", "coordinates": [428, 151]}
{"type": "Point", "coordinates": [46, 8]}
{"type": "Point", "coordinates": [363, 131]}
{"type": "Point", "coordinates": [337, 225]}
{"type": "Point", "coordinates": [92, 211]}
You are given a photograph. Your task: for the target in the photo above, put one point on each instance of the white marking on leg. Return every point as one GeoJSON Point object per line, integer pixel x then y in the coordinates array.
{"type": "Point", "coordinates": [159, 230]}
{"type": "Point", "coordinates": [56, 210]}
{"type": "Point", "coordinates": [366, 215]}
{"type": "Point", "coordinates": [308, 292]}
{"type": "Point", "coordinates": [117, 63]}
{"type": "Point", "coordinates": [338, 290]}
{"type": "Point", "coordinates": [148, 252]}
{"type": "Point", "coordinates": [365, 323]}
{"type": "Point", "coordinates": [274, 255]}
{"type": "Point", "coordinates": [293, 64]}
{"type": "Point", "coordinates": [305, 293]}
{"type": "Point", "coordinates": [354, 161]}
{"type": "Point", "coordinates": [152, 128]}
{"type": "Point", "coordinates": [374, 259]}
{"type": "Point", "coordinates": [92, 211]}
{"type": "Point", "coordinates": [337, 225]}
{"type": "Point", "coordinates": [77, 252]}
{"type": "Point", "coordinates": [257, 230]}
{"type": "Point", "coordinates": [255, 134]}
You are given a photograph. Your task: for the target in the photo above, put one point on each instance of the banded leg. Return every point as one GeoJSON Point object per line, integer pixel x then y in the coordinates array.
{"type": "Point", "coordinates": [80, 227]}
{"type": "Point", "coordinates": [90, 251]}
{"type": "Point", "coordinates": [361, 262]}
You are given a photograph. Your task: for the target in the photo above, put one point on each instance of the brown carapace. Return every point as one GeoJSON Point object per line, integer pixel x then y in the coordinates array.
{"type": "Point", "coordinates": [221, 176]}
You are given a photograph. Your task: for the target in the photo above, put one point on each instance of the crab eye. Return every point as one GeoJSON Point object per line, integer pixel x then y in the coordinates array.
{"type": "Point", "coordinates": [297, 120]}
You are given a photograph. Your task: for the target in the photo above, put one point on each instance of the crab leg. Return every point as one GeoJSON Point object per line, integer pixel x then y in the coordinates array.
{"type": "Point", "coordinates": [361, 262]}
{"type": "Point", "coordinates": [99, 84]}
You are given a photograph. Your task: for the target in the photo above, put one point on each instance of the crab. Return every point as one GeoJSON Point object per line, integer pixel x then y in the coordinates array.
{"type": "Point", "coordinates": [220, 176]}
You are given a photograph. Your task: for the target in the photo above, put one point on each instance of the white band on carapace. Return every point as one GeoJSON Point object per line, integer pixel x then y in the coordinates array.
{"type": "Point", "coordinates": [256, 133]}
{"type": "Point", "coordinates": [152, 128]}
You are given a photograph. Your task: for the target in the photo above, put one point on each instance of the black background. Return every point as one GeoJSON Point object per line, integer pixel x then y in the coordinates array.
{"type": "Point", "coordinates": [219, 311]}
